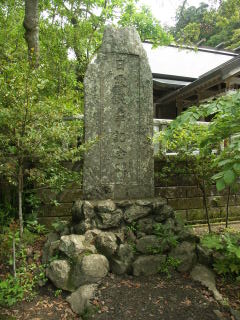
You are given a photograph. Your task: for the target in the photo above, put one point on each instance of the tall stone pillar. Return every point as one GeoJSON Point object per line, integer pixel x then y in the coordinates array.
{"type": "Point", "coordinates": [119, 120]}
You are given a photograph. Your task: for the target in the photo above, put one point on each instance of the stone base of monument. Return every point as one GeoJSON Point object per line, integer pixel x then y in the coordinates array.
{"type": "Point", "coordinates": [129, 236]}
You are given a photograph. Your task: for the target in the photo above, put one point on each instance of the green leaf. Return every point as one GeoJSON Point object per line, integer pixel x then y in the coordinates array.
{"type": "Point", "coordinates": [229, 177]}
{"type": "Point", "coordinates": [236, 167]}
{"type": "Point", "coordinates": [220, 185]}
{"type": "Point", "coordinates": [218, 175]}
{"type": "Point", "coordinates": [224, 162]}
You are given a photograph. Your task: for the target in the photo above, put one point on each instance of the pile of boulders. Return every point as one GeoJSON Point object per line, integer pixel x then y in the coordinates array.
{"type": "Point", "coordinates": [116, 236]}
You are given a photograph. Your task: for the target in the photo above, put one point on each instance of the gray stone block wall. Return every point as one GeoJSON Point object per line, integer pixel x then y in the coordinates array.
{"type": "Point", "coordinates": [187, 201]}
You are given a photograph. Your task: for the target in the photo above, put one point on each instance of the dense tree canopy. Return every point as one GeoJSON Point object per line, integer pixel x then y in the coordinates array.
{"type": "Point", "coordinates": [209, 24]}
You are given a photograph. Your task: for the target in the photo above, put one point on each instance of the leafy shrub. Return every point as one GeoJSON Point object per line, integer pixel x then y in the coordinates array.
{"type": "Point", "coordinates": [170, 264]}
{"type": "Point", "coordinates": [16, 289]}
{"type": "Point", "coordinates": [35, 227]}
{"type": "Point", "coordinates": [22, 273]}
{"type": "Point", "coordinates": [226, 254]}
{"type": "Point", "coordinates": [7, 213]}
{"type": "Point", "coordinates": [166, 235]}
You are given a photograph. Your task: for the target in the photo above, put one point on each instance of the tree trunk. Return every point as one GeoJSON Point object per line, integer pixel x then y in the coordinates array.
{"type": "Point", "coordinates": [14, 257]}
{"type": "Point", "coordinates": [206, 207]}
{"type": "Point", "coordinates": [20, 190]}
{"type": "Point", "coordinates": [30, 24]}
{"type": "Point", "coordinates": [227, 209]}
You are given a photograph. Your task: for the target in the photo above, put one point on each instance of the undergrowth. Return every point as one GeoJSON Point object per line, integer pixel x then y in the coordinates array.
{"type": "Point", "coordinates": [226, 252]}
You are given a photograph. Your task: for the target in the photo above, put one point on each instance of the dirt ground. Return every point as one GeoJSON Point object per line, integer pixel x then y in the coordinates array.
{"type": "Point", "coordinates": [138, 298]}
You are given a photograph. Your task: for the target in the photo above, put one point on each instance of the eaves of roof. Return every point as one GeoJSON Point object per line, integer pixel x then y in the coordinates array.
{"type": "Point", "coordinates": [219, 73]}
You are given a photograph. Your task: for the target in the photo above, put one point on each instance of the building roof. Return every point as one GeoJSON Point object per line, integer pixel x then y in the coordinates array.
{"type": "Point", "coordinates": [185, 62]}
{"type": "Point", "coordinates": [220, 73]}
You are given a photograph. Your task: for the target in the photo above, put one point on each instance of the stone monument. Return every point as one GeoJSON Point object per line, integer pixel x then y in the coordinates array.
{"type": "Point", "coordinates": [119, 120]}
{"type": "Point", "coordinates": [116, 226]}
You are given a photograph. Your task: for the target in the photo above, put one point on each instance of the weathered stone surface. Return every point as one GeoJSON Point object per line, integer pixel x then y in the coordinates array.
{"type": "Point", "coordinates": [80, 299]}
{"type": "Point", "coordinates": [148, 265]}
{"type": "Point", "coordinates": [50, 246]}
{"type": "Point", "coordinates": [185, 253]}
{"type": "Point", "coordinates": [119, 111]}
{"type": "Point", "coordinates": [50, 250]}
{"type": "Point", "coordinates": [91, 235]}
{"type": "Point", "coordinates": [52, 236]}
{"type": "Point", "coordinates": [163, 212]}
{"type": "Point", "coordinates": [135, 212]}
{"type": "Point", "coordinates": [106, 243]}
{"type": "Point", "coordinates": [94, 268]}
{"type": "Point", "coordinates": [124, 203]}
{"type": "Point", "coordinates": [74, 244]}
{"type": "Point", "coordinates": [77, 211]}
{"type": "Point", "coordinates": [58, 272]}
{"type": "Point", "coordinates": [122, 262]}
{"type": "Point", "coordinates": [88, 210]}
{"type": "Point", "coordinates": [158, 203]}
{"type": "Point", "coordinates": [148, 244]}
{"type": "Point", "coordinates": [106, 206]}
{"type": "Point", "coordinates": [89, 269]}
{"type": "Point", "coordinates": [235, 314]}
{"type": "Point", "coordinates": [206, 277]}
{"type": "Point", "coordinates": [144, 202]}
{"type": "Point", "coordinates": [109, 219]}
{"type": "Point", "coordinates": [82, 227]}
{"type": "Point", "coordinates": [205, 255]}
{"type": "Point", "coordinates": [145, 225]}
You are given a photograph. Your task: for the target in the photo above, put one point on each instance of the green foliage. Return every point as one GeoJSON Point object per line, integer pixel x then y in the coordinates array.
{"type": "Point", "coordinates": [16, 289]}
{"type": "Point", "coordinates": [226, 248]}
{"type": "Point", "coordinates": [142, 19]}
{"type": "Point", "coordinates": [89, 312]}
{"type": "Point", "coordinates": [59, 225]}
{"type": "Point", "coordinates": [7, 213]}
{"type": "Point", "coordinates": [132, 227]}
{"type": "Point", "coordinates": [35, 227]}
{"type": "Point", "coordinates": [184, 137]}
{"type": "Point", "coordinates": [194, 23]}
{"type": "Point", "coordinates": [208, 23]}
{"type": "Point", "coordinates": [37, 147]}
{"type": "Point", "coordinates": [169, 265]}
{"type": "Point", "coordinates": [28, 274]}
{"type": "Point", "coordinates": [166, 235]}
{"type": "Point", "coordinates": [201, 149]}
{"type": "Point", "coordinates": [58, 293]}
{"type": "Point", "coordinates": [11, 291]}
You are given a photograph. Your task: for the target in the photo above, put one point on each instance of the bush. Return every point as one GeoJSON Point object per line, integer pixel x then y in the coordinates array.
{"type": "Point", "coordinates": [226, 253]}
{"type": "Point", "coordinates": [21, 275]}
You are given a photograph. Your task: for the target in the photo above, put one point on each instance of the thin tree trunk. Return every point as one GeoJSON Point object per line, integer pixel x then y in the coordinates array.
{"type": "Point", "coordinates": [30, 24]}
{"type": "Point", "coordinates": [20, 190]}
{"type": "Point", "coordinates": [227, 209]}
{"type": "Point", "coordinates": [206, 207]}
{"type": "Point", "coordinates": [14, 257]}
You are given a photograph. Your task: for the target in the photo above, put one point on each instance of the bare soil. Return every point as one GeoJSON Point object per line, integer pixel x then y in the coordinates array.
{"type": "Point", "coordinates": [138, 298]}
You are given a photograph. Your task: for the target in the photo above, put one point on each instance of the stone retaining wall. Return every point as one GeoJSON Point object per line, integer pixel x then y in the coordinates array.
{"type": "Point", "coordinates": [181, 194]}
{"type": "Point", "coordinates": [185, 200]}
